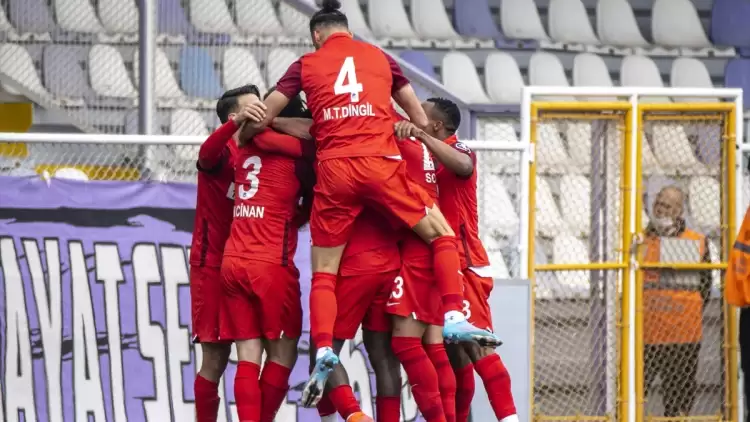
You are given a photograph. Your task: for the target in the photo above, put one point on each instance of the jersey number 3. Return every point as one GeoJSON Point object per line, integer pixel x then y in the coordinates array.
{"type": "Point", "coordinates": [346, 82]}
{"type": "Point", "coordinates": [249, 190]}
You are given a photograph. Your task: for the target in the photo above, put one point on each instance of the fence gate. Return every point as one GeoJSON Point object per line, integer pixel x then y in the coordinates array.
{"type": "Point", "coordinates": [631, 219]}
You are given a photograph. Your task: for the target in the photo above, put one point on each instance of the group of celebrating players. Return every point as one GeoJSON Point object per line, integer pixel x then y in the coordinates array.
{"type": "Point", "coordinates": [384, 255]}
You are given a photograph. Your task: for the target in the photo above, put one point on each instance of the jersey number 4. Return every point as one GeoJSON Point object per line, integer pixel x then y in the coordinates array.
{"type": "Point", "coordinates": [346, 82]}
{"type": "Point", "coordinates": [251, 188]}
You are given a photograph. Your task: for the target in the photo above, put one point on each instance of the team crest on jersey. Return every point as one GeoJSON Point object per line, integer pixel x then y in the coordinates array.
{"type": "Point", "coordinates": [462, 146]}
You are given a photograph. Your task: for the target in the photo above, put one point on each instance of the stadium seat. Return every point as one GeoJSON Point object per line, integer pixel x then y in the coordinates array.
{"type": "Point", "coordinates": [616, 24]}
{"type": "Point", "coordinates": [641, 71]}
{"type": "Point", "coordinates": [165, 84]}
{"type": "Point", "coordinates": [257, 17]}
{"type": "Point", "coordinates": [460, 76]}
{"type": "Point", "coordinates": [241, 68]}
{"type": "Point", "coordinates": [704, 198]}
{"type": "Point", "coordinates": [568, 249]}
{"type": "Point", "coordinates": [737, 75]}
{"type": "Point", "coordinates": [549, 223]}
{"type": "Point", "coordinates": [688, 72]}
{"type": "Point", "coordinates": [729, 23]}
{"type": "Point", "coordinates": [547, 285]}
{"type": "Point", "coordinates": [675, 23]}
{"type": "Point", "coordinates": [16, 62]}
{"type": "Point", "coordinates": [519, 19]}
{"type": "Point", "coordinates": [278, 62]}
{"type": "Point", "coordinates": [500, 214]}
{"type": "Point", "coordinates": [5, 26]}
{"type": "Point", "coordinates": [649, 164]}
{"type": "Point", "coordinates": [32, 19]}
{"type": "Point", "coordinates": [503, 78]}
{"type": "Point", "coordinates": [357, 22]}
{"type": "Point", "coordinates": [590, 70]}
{"type": "Point", "coordinates": [107, 73]}
{"type": "Point", "coordinates": [674, 151]}
{"type": "Point", "coordinates": [575, 203]}
{"type": "Point", "coordinates": [708, 145]}
{"type": "Point", "coordinates": [569, 23]}
{"type": "Point", "coordinates": [76, 16]}
{"type": "Point", "coordinates": [420, 60]}
{"type": "Point", "coordinates": [198, 76]}
{"type": "Point", "coordinates": [295, 23]}
{"type": "Point", "coordinates": [131, 123]}
{"type": "Point", "coordinates": [579, 134]}
{"type": "Point", "coordinates": [211, 17]}
{"type": "Point", "coordinates": [498, 264]}
{"type": "Point", "coordinates": [173, 25]}
{"type": "Point", "coordinates": [64, 76]}
{"type": "Point", "coordinates": [431, 20]}
{"type": "Point", "coordinates": [119, 16]}
{"type": "Point", "coordinates": [474, 19]}
{"type": "Point", "coordinates": [388, 20]}
{"type": "Point", "coordinates": [187, 122]}
{"type": "Point", "coordinates": [550, 151]}
{"type": "Point", "coordinates": [545, 69]}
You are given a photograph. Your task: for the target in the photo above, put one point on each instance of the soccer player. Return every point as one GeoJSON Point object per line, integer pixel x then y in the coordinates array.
{"type": "Point", "coordinates": [457, 182]}
{"type": "Point", "coordinates": [262, 307]}
{"type": "Point", "coordinates": [213, 218]}
{"type": "Point", "coordinates": [349, 85]}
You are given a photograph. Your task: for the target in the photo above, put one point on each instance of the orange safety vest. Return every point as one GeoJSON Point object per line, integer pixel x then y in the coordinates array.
{"type": "Point", "coordinates": [737, 281]}
{"type": "Point", "coordinates": [672, 314]}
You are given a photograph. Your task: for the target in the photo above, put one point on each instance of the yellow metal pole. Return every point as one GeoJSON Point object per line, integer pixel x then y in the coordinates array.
{"type": "Point", "coordinates": [625, 234]}
{"type": "Point", "coordinates": [686, 107]}
{"type": "Point", "coordinates": [582, 267]}
{"type": "Point", "coordinates": [532, 243]}
{"type": "Point", "coordinates": [639, 390]}
{"type": "Point", "coordinates": [731, 313]}
{"type": "Point", "coordinates": [582, 106]}
{"type": "Point", "coordinates": [682, 266]}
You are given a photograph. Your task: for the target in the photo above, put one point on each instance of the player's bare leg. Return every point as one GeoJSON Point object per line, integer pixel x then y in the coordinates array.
{"type": "Point", "coordinates": [435, 347]}
{"type": "Point", "coordinates": [215, 357]}
{"type": "Point", "coordinates": [281, 355]}
{"type": "Point", "coordinates": [464, 372]}
{"type": "Point", "coordinates": [387, 370]}
{"type": "Point", "coordinates": [247, 393]}
{"type": "Point", "coordinates": [496, 380]}
{"type": "Point", "coordinates": [435, 230]}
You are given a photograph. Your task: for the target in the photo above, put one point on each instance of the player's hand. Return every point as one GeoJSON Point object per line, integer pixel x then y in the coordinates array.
{"type": "Point", "coordinates": [405, 129]}
{"type": "Point", "coordinates": [253, 112]}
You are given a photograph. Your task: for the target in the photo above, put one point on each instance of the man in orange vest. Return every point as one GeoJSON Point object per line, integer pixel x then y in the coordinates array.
{"type": "Point", "coordinates": [673, 303]}
{"type": "Point", "coordinates": [737, 293]}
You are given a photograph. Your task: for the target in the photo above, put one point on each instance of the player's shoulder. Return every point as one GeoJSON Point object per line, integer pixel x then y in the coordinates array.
{"type": "Point", "coordinates": [461, 146]}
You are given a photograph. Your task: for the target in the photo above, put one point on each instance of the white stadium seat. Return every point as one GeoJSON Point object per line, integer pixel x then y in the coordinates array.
{"type": "Point", "coordinates": [294, 22]}
{"type": "Point", "coordinates": [675, 23]}
{"type": "Point", "coordinates": [569, 23]}
{"type": "Point", "coordinates": [590, 70]}
{"type": "Point", "coordinates": [520, 20]}
{"type": "Point", "coordinates": [16, 62]}
{"type": "Point", "coordinates": [503, 78]}
{"type": "Point", "coordinates": [688, 72]}
{"type": "Point", "coordinates": [649, 164]}
{"type": "Point", "coordinates": [568, 249]}
{"type": "Point", "coordinates": [673, 149]}
{"type": "Point", "coordinates": [77, 16]}
{"type": "Point", "coordinates": [278, 62]}
{"type": "Point", "coordinates": [187, 122]}
{"type": "Point", "coordinates": [616, 24]}
{"type": "Point", "coordinates": [704, 198]}
{"type": "Point", "coordinates": [357, 22]}
{"type": "Point", "coordinates": [547, 285]}
{"type": "Point", "coordinates": [241, 68]}
{"type": "Point", "coordinates": [499, 211]}
{"type": "Point", "coordinates": [545, 69]}
{"type": "Point", "coordinates": [551, 155]}
{"type": "Point", "coordinates": [211, 16]}
{"type": "Point", "coordinates": [431, 20]}
{"type": "Point", "coordinates": [641, 71]}
{"type": "Point", "coordinates": [257, 17]}
{"type": "Point", "coordinates": [575, 203]}
{"type": "Point", "coordinates": [165, 84]}
{"type": "Point", "coordinates": [499, 267]}
{"type": "Point", "coordinates": [388, 19]}
{"type": "Point", "coordinates": [579, 134]}
{"type": "Point", "coordinates": [460, 76]}
{"type": "Point", "coordinates": [107, 73]}
{"type": "Point", "coordinates": [548, 221]}
{"type": "Point", "coordinates": [119, 16]}
{"type": "Point", "coordinates": [5, 26]}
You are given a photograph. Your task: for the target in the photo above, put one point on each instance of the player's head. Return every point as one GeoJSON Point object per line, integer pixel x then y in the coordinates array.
{"type": "Point", "coordinates": [233, 100]}
{"type": "Point", "coordinates": [443, 117]}
{"type": "Point", "coordinates": [295, 108]}
{"type": "Point", "coordinates": [326, 21]}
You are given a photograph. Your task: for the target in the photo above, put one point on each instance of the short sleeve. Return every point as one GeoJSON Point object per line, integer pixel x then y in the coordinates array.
{"type": "Point", "coordinates": [291, 83]}
{"type": "Point", "coordinates": [399, 80]}
{"type": "Point", "coordinates": [464, 149]}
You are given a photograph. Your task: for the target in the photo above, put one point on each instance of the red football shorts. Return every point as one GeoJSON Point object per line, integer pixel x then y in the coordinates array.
{"type": "Point", "coordinates": [346, 185]}
{"type": "Point", "coordinates": [205, 303]}
{"type": "Point", "coordinates": [415, 293]}
{"type": "Point", "coordinates": [361, 300]}
{"type": "Point", "coordinates": [477, 299]}
{"type": "Point", "coordinates": [261, 300]}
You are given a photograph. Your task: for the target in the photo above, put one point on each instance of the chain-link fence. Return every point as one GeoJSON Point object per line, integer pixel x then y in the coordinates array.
{"type": "Point", "coordinates": [683, 346]}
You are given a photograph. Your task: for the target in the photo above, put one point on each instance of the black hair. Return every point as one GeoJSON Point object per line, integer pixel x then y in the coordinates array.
{"type": "Point", "coordinates": [295, 108]}
{"type": "Point", "coordinates": [228, 101]}
{"type": "Point", "coordinates": [449, 113]}
{"type": "Point", "coordinates": [329, 15]}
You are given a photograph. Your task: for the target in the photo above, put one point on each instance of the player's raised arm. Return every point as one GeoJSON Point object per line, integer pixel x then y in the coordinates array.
{"type": "Point", "coordinates": [404, 95]}
{"type": "Point", "coordinates": [288, 87]}
{"type": "Point", "coordinates": [296, 126]}
{"type": "Point", "coordinates": [444, 117]}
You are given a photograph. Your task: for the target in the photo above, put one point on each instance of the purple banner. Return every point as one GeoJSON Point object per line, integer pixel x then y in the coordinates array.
{"type": "Point", "coordinates": [95, 307]}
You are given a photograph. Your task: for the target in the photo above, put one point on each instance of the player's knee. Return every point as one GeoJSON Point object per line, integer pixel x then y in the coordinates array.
{"type": "Point", "coordinates": [477, 352]}
{"type": "Point", "coordinates": [433, 335]}
{"type": "Point", "coordinates": [456, 354]}
{"type": "Point", "coordinates": [249, 350]}
{"type": "Point", "coordinates": [407, 327]}
{"type": "Point", "coordinates": [214, 361]}
{"type": "Point", "coordinates": [327, 260]}
{"type": "Point", "coordinates": [283, 351]}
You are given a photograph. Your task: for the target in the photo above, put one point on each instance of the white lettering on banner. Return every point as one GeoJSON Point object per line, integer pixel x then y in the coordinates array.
{"type": "Point", "coordinates": [109, 273]}
{"type": "Point", "coordinates": [86, 376]}
{"type": "Point", "coordinates": [48, 299]}
{"type": "Point", "coordinates": [150, 336]}
{"type": "Point", "coordinates": [19, 379]}
{"type": "Point", "coordinates": [349, 110]}
{"type": "Point", "coordinates": [248, 211]}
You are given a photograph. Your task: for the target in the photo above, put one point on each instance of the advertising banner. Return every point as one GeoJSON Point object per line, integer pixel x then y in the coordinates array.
{"type": "Point", "coordinates": [95, 307]}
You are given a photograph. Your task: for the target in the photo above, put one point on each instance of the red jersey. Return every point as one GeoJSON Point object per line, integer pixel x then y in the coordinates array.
{"type": "Point", "coordinates": [349, 84]}
{"type": "Point", "coordinates": [267, 195]}
{"type": "Point", "coordinates": [458, 202]}
{"type": "Point", "coordinates": [213, 210]}
{"type": "Point", "coordinates": [371, 233]}
{"type": "Point", "coordinates": [421, 169]}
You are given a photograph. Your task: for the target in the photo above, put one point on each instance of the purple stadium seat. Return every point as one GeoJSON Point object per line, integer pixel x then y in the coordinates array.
{"type": "Point", "coordinates": [173, 21]}
{"type": "Point", "coordinates": [420, 61]}
{"type": "Point", "coordinates": [729, 23]}
{"type": "Point", "coordinates": [197, 74]}
{"type": "Point", "coordinates": [63, 73]}
{"type": "Point", "coordinates": [31, 16]}
{"type": "Point", "coordinates": [737, 75]}
{"type": "Point", "coordinates": [474, 19]}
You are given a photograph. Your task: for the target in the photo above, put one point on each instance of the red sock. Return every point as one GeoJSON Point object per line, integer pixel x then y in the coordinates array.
{"type": "Point", "coordinates": [344, 401]}
{"type": "Point", "coordinates": [447, 265]}
{"type": "Point", "coordinates": [497, 383]}
{"type": "Point", "coordinates": [422, 377]}
{"type": "Point", "coordinates": [325, 406]}
{"type": "Point", "coordinates": [322, 309]}
{"type": "Point", "coordinates": [274, 384]}
{"type": "Point", "coordinates": [388, 409]}
{"type": "Point", "coordinates": [446, 378]}
{"type": "Point", "coordinates": [247, 391]}
{"type": "Point", "coordinates": [464, 392]}
{"type": "Point", "coordinates": [206, 399]}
